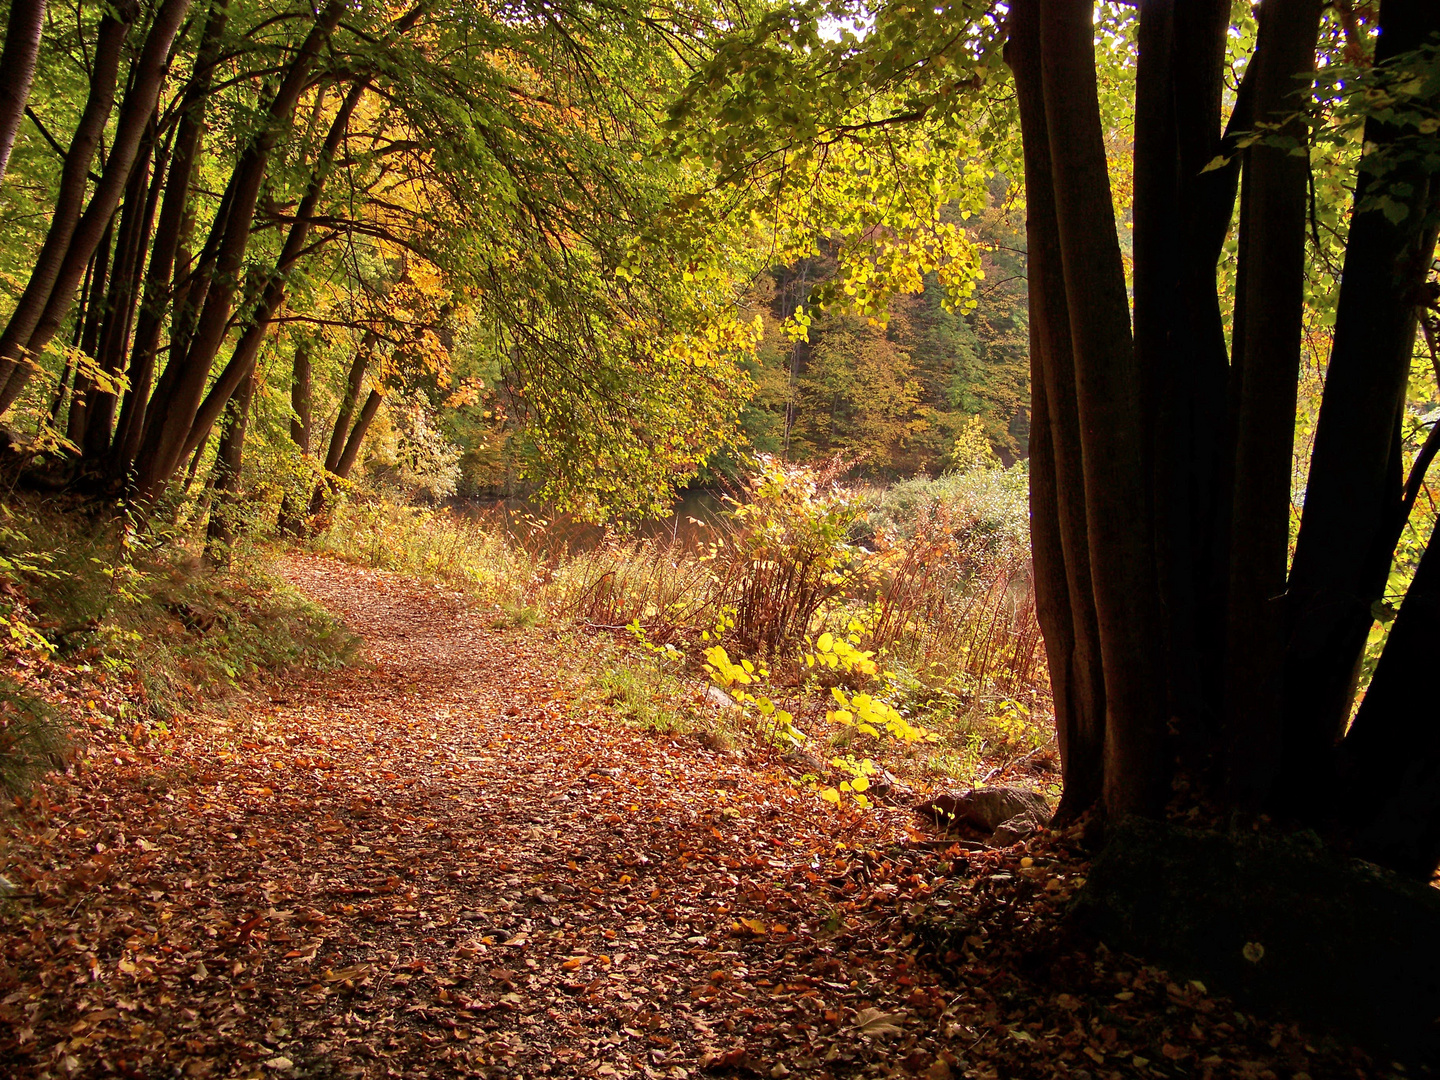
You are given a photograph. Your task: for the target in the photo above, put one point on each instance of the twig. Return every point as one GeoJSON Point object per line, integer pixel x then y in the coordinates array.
{"type": "Point", "coordinates": [1012, 762]}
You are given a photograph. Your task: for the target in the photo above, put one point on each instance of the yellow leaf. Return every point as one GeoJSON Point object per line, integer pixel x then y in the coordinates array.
{"type": "Point", "coordinates": [859, 784]}
{"type": "Point", "coordinates": [830, 795]}
{"type": "Point", "coordinates": [825, 643]}
{"type": "Point", "coordinates": [755, 926]}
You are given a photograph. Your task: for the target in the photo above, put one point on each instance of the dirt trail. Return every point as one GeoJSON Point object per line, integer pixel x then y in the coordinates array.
{"type": "Point", "coordinates": [430, 865]}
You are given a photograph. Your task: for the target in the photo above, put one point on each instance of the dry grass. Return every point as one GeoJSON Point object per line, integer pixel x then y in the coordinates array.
{"type": "Point", "coordinates": [935, 582]}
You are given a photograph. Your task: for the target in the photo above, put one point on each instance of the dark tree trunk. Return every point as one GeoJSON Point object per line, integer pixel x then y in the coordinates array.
{"type": "Point", "coordinates": [135, 115]}
{"type": "Point", "coordinates": [1267, 335]}
{"type": "Point", "coordinates": [247, 349]}
{"type": "Point", "coordinates": [170, 231]}
{"type": "Point", "coordinates": [1390, 760]}
{"type": "Point", "coordinates": [1181, 215]}
{"type": "Point", "coordinates": [1347, 534]}
{"type": "Point", "coordinates": [1062, 557]}
{"type": "Point", "coordinates": [343, 436]}
{"type": "Point", "coordinates": [291, 522]}
{"type": "Point", "coordinates": [130, 242]}
{"type": "Point", "coordinates": [354, 383]}
{"type": "Point", "coordinates": [17, 70]}
{"type": "Point", "coordinates": [351, 453]}
{"type": "Point", "coordinates": [92, 318]}
{"type": "Point", "coordinates": [225, 487]}
{"type": "Point", "coordinates": [1115, 458]}
{"type": "Point", "coordinates": [170, 420]}
{"type": "Point", "coordinates": [81, 314]}
{"type": "Point", "coordinates": [110, 42]}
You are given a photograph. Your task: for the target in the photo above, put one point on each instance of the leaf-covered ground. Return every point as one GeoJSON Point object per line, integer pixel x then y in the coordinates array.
{"type": "Point", "coordinates": [434, 864]}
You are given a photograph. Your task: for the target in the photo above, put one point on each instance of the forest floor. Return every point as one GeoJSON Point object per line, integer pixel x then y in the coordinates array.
{"type": "Point", "coordinates": [438, 863]}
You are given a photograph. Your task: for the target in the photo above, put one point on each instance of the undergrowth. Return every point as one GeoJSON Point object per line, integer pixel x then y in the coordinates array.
{"type": "Point", "coordinates": [921, 594]}
{"type": "Point", "coordinates": [128, 628]}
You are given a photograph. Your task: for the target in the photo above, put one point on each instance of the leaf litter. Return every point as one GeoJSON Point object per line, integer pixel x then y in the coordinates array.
{"type": "Point", "coordinates": [436, 864]}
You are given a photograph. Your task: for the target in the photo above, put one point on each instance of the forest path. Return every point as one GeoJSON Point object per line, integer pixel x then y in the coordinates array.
{"type": "Point", "coordinates": [430, 864]}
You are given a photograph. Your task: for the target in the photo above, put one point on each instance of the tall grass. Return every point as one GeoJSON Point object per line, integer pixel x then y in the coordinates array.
{"type": "Point", "coordinates": [933, 576]}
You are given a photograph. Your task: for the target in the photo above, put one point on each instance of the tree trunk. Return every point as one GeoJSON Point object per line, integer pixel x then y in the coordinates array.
{"type": "Point", "coordinates": [1181, 214]}
{"type": "Point", "coordinates": [110, 41]}
{"type": "Point", "coordinates": [169, 234]}
{"type": "Point", "coordinates": [1347, 535]}
{"type": "Point", "coordinates": [1065, 600]}
{"type": "Point", "coordinates": [302, 410]}
{"type": "Point", "coordinates": [351, 453]}
{"type": "Point", "coordinates": [93, 318]}
{"type": "Point", "coordinates": [135, 114]}
{"type": "Point", "coordinates": [170, 421]}
{"type": "Point", "coordinates": [354, 383]}
{"type": "Point", "coordinates": [1109, 398]}
{"type": "Point", "coordinates": [130, 242]}
{"type": "Point", "coordinates": [247, 349]}
{"type": "Point", "coordinates": [17, 70]}
{"type": "Point", "coordinates": [345, 439]}
{"type": "Point", "coordinates": [1267, 335]}
{"type": "Point", "coordinates": [1390, 760]}
{"type": "Point", "coordinates": [225, 489]}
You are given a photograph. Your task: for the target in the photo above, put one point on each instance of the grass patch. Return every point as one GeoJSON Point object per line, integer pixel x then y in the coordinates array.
{"type": "Point", "coordinates": [139, 616]}
{"type": "Point", "coordinates": [917, 596]}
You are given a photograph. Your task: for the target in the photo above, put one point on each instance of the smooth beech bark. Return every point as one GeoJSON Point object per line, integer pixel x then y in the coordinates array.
{"type": "Point", "coordinates": [136, 219]}
{"type": "Point", "coordinates": [1065, 600]}
{"type": "Point", "coordinates": [1347, 531]}
{"type": "Point", "coordinates": [247, 348]}
{"type": "Point", "coordinates": [136, 112]}
{"type": "Point", "coordinates": [69, 200]}
{"type": "Point", "coordinates": [1109, 393]}
{"type": "Point", "coordinates": [343, 440]}
{"type": "Point", "coordinates": [17, 70]}
{"type": "Point", "coordinates": [171, 416]}
{"type": "Point", "coordinates": [1390, 760]}
{"type": "Point", "coordinates": [1267, 335]}
{"type": "Point", "coordinates": [225, 486]}
{"type": "Point", "coordinates": [1179, 336]}
{"type": "Point", "coordinates": [170, 230]}
{"type": "Point", "coordinates": [302, 411]}
{"type": "Point", "coordinates": [92, 318]}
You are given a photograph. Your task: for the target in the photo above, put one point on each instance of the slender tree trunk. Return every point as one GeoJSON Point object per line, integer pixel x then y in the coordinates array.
{"type": "Point", "coordinates": [93, 320]}
{"type": "Point", "coordinates": [1109, 396]}
{"type": "Point", "coordinates": [1268, 341]}
{"type": "Point", "coordinates": [170, 231]}
{"type": "Point", "coordinates": [342, 436]}
{"type": "Point", "coordinates": [1347, 535]}
{"type": "Point", "coordinates": [354, 383]}
{"type": "Point", "coordinates": [1391, 758]}
{"type": "Point", "coordinates": [302, 412]}
{"type": "Point", "coordinates": [135, 114]}
{"type": "Point", "coordinates": [351, 453]}
{"type": "Point", "coordinates": [225, 488]}
{"type": "Point", "coordinates": [110, 42]}
{"type": "Point", "coordinates": [1062, 557]}
{"type": "Point", "coordinates": [81, 314]}
{"type": "Point", "coordinates": [247, 349]}
{"type": "Point", "coordinates": [130, 243]}
{"type": "Point", "coordinates": [170, 420]}
{"type": "Point", "coordinates": [17, 70]}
